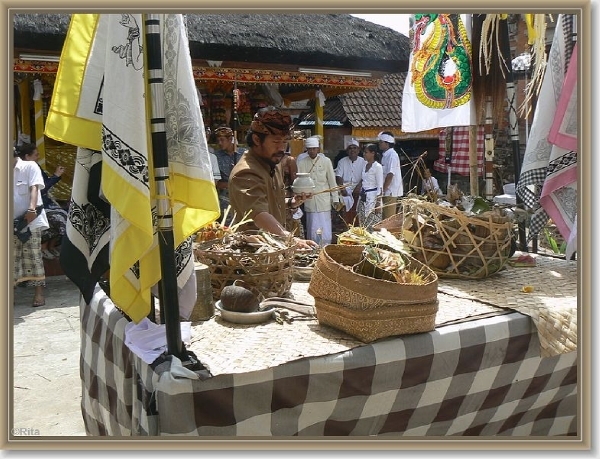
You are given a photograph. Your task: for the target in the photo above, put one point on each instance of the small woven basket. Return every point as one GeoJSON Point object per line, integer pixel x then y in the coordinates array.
{"type": "Point", "coordinates": [368, 308]}
{"type": "Point", "coordinates": [454, 244]}
{"type": "Point", "coordinates": [270, 272]}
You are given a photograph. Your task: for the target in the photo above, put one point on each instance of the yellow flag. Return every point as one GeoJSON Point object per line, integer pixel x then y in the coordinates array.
{"type": "Point", "coordinates": [75, 113]}
{"type": "Point", "coordinates": [100, 102]}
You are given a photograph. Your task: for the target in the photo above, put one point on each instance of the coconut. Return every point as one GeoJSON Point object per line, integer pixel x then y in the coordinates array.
{"type": "Point", "coordinates": [239, 299]}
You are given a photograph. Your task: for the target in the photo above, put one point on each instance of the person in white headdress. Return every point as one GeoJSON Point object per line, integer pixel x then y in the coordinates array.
{"type": "Point", "coordinates": [314, 141]}
{"type": "Point", "coordinates": [318, 209]}
{"type": "Point", "coordinates": [392, 176]}
{"type": "Point", "coordinates": [348, 172]}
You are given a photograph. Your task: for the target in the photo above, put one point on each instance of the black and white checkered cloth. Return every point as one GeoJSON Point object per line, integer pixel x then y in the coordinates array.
{"type": "Point", "coordinates": [479, 378]}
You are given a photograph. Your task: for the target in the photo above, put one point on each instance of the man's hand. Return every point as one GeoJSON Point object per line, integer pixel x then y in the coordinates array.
{"type": "Point", "coordinates": [30, 216]}
{"type": "Point", "coordinates": [298, 199]}
{"type": "Point", "coordinates": [305, 244]}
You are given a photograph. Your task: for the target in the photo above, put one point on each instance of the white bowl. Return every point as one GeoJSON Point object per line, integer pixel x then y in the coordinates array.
{"type": "Point", "coordinates": [257, 317]}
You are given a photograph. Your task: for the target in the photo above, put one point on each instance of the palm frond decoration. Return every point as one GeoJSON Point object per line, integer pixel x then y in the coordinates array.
{"type": "Point", "coordinates": [536, 38]}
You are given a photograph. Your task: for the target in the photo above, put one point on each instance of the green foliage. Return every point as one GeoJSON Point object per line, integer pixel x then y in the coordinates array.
{"type": "Point", "coordinates": [554, 244]}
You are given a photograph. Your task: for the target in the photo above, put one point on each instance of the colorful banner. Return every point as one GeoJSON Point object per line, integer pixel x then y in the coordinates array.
{"type": "Point", "coordinates": [100, 103]}
{"type": "Point", "coordinates": [438, 88]}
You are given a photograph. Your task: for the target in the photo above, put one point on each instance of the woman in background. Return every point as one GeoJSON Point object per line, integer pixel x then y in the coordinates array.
{"type": "Point", "coordinates": [29, 221]}
{"type": "Point", "coordinates": [56, 215]}
{"type": "Point", "coordinates": [369, 207]}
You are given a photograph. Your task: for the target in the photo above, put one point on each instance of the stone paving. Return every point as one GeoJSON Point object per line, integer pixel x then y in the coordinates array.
{"type": "Point", "coordinates": [46, 387]}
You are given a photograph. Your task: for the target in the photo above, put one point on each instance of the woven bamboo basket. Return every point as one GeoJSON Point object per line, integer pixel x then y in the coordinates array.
{"type": "Point", "coordinates": [454, 244]}
{"type": "Point", "coordinates": [368, 308]}
{"type": "Point", "coordinates": [270, 272]}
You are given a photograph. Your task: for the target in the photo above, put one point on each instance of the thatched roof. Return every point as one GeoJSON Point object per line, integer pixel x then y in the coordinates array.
{"type": "Point", "coordinates": [325, 40]}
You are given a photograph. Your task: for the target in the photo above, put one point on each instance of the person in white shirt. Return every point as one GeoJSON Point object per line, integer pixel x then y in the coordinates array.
{"type": "Point", "coordinates": [349, 171]}
{"type": "Point", "coordinates": [30, 220]}
{"type": "Point", "coordinates": [214, 163]}
{"type": "Point", "coordinates": [392, 176]}
{"type": "Point", "coordinates": [312, 140]}
{"type": "Point", "coordinates": [318, 209]}
{"type": "Point", "coordinates": [371, 186]}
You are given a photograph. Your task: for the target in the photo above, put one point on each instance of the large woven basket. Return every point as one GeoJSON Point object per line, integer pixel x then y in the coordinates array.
{"type": "Point", "coordinates": [454, 244]}
{"type": "Point", "coordinates": [270, 272]}
{"type": "Point", "coordinates": [365, 307]}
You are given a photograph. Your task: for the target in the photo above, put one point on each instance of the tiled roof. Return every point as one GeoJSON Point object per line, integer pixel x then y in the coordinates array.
{"type": "Point", "coordinates": [333, 111]}
{"type": "Point", "coordinates": [378, 107]}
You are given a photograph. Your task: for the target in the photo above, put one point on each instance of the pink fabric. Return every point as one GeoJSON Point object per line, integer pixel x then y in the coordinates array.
{"type": "Point", "coordinates": [559, 135]}
{"type": "Point", "coordinates": [460, 151]}
{"type": "Point", "coordinates": [562, 169]}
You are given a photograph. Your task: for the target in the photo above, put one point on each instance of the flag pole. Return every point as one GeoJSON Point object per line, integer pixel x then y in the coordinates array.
{"type": "Point", "coordinates": [513, 120]}
{"type": "Point", "coordinates": [473, 160]}
{"type": "Point", "coordinates": [167, 286]}
{"type": "Point", "coordinates": [448, 156]}
{"type": "Point", "coordinates": [236, 124]}
{"type": "Point", "coordinates": [489, 149]}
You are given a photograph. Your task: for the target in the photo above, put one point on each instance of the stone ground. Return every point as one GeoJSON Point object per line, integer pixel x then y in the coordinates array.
{"type": "Point", "coordinates": [46, 387]}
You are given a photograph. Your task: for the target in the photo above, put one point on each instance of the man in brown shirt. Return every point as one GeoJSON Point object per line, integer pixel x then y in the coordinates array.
{"type": "Point", "coordinates": [256, 182]}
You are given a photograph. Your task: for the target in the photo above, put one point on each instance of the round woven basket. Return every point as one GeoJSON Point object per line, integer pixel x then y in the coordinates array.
{"type": "Point", "coordinates": [270, 272]}
{"type": "Point", "coordinates": [454, 244]}
{"type": "Point", "coordinates": [369, 308]}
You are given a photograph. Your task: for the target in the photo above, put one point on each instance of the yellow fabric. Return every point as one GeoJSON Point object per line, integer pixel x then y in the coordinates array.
{"type": "Point", "coordinates": [318, 116]}
{"type": "Point", "coordinates": [531, 34]}
{"type": "Point", "coordinates": [65, 121]}
{"type": "Point", "coordinates": [24, 93]}
{"type": "Point", "coordinates": [88, 69]}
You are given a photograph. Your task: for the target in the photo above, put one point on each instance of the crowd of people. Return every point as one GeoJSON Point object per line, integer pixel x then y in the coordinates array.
{"type": "Point", "coordinates": [254, 182]}
{"type": "Point", "coordinates": [362, 188]}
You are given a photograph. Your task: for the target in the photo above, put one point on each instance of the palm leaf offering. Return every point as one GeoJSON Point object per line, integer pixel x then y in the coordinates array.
{"type": "Point", "coordinates": [361, 236]}
{"type": "Point", "coordinates": [383, 264]}
{"type": "Point", "coordinates": [218, 230]}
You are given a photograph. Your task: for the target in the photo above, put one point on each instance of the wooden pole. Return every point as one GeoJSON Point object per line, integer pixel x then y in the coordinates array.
{"type": "Point", "coordinates": [513, 121]}
{"type": "Point", "coordinates": [473, 163]}
{"type": "Point", "coordinates": [236, 124]}
{"type": "Point", "coordinates": [39, 122]}
{"type": "Point", "coordinates": [448, 156]}
{"type": "Point", "coordinates": [319, 117]}
{"type": "Point", "coordinates": [489, 149]}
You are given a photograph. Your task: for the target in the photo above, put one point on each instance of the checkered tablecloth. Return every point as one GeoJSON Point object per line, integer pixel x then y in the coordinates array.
{"type": "Point", "coordinates": [479, 378]}
{"type": "Point", "coordinates": [460, 151]}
